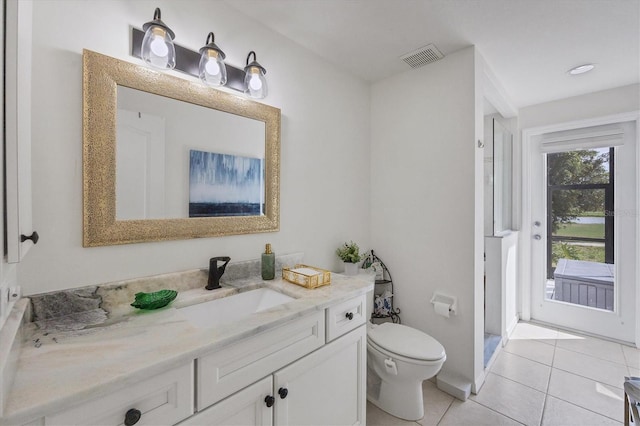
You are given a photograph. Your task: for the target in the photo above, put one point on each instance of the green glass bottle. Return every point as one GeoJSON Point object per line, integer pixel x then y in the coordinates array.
{"type": "Point", "coordinates": [268, 263]}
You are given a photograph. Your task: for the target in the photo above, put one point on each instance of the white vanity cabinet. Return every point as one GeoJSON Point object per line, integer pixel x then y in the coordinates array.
{"type": "Point", "coordinates": [297, 378]}
{"type": "Point", "coordinates": [326, 387]}
{"type": "Point", "coordinates": [310, 370]}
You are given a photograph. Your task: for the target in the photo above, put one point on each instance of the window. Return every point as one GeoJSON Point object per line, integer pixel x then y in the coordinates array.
{"type": "Point", "coordinates": [580, 192]}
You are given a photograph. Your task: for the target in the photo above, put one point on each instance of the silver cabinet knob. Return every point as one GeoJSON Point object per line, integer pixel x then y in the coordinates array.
{"type": "Point", "coordinates": [537, 223]}
{"type": "Point", "coordinates": [537, 237]}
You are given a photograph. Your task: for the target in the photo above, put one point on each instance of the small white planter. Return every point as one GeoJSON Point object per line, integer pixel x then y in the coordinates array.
{"type": "Point", "coordinates": [350, 269]}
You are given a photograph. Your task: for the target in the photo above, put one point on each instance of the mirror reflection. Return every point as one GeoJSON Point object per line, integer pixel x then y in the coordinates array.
{"type": "Point", "coordinates": [176, 159]}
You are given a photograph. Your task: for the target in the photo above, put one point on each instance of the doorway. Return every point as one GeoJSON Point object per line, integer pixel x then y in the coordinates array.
{"type": "Point", "coordinates": [582, 196]}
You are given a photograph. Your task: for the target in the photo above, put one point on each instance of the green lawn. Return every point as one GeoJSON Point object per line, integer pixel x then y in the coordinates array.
{"type": "Point", "coordinates": [592, 214]}
{"type": "Point", "coordinates": [576, 252]}
{"type": "Point", "coordinates": [590, 230]}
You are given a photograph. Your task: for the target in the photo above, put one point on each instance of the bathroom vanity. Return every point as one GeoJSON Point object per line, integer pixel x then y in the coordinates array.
{"type": "Point", "coordinates": [299, 362]}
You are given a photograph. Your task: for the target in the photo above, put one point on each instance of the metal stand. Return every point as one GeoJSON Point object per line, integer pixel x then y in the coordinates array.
{"type": "Point", "coordinates": [386, 283]}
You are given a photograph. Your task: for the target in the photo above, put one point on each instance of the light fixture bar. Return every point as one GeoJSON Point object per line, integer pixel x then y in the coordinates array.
{"type": "Point", "coordinates": [187, 61]}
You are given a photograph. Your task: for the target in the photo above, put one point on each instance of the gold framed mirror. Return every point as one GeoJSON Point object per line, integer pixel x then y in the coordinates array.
{"type": "Point", "coordinates": [127, 197]}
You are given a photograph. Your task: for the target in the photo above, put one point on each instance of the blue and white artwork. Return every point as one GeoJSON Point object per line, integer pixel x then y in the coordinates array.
{"type": "Point", "coordinates": [225, 185]}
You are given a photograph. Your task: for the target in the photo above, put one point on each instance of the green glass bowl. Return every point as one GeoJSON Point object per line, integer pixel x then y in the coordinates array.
{"type": "Point", "coordinates": [154, 300]}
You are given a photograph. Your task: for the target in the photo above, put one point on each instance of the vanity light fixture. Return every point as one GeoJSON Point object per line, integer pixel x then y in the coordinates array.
{"type": "Point", "coordinates": [157, 46]}
{"type": "Point", "coordinates": [255, 85]}
{"type": "Point", "coordinates": [212, 69]}
{"type": "Point", "coordinates": [154, 44]}
{"type": "Point", "coordinates": [581, 69]}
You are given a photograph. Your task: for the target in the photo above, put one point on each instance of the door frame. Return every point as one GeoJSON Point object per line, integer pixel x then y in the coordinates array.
{"type": "Point", "coordinates": [526, 227]}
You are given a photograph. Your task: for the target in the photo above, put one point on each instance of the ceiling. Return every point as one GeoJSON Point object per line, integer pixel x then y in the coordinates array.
{"type": "Point", "coordinates": [529, 44]}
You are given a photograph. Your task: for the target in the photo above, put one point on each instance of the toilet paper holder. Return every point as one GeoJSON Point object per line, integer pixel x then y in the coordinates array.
{"type": "Point", "coordinates": [452, 301]}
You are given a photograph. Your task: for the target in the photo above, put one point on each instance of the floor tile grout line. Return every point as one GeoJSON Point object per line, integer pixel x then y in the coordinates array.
{"type": "Point", "coordinates": [445, 411]}
{"type": "Point", "coordinates": [529, 359]}
{"type": "Point", "coordinates": [544, 407]}
{"type": "Point", "coordinates": [515, 381]}
{"type": "Point", "coordinates": [522, 384]}
{"type": "Point", "coordinates": [590, 378]}
{"type": "Point", "coordinates": [496, 411]}
{"type": "Point", "coordinates": [593, 356]}
{"type": "Point", "coordinates": [580, 406]}
{"type": "Point", "coordinates": [546, 392]}
{"type": "Point", "coordinates": [569, 402]}
{"type": "Point", "coordinates": [626, 360]}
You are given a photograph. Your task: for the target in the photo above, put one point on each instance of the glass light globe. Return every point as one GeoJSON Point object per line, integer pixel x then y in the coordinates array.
{"type": "Point", "coordinates": [255, 83]}
{"type": "Point", "coordinates": [158, 49]}
{"type": "Point", "coordinates": [213, 71]}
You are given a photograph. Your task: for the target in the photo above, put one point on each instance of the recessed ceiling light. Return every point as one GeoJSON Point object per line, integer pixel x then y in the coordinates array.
{"type": "Point", "coordinates": [581, 69]}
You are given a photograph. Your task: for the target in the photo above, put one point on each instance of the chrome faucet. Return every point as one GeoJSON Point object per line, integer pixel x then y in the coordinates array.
{"type": "Point", "coordinates": [216, 272]}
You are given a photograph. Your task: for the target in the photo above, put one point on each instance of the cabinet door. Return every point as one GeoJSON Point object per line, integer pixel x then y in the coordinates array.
{"type": "Point", "coordinates": [18, 127]}
{"type": "Point", "coordinates": [327, 387]}
{"type": "Point", "coordinates": [244, 408]}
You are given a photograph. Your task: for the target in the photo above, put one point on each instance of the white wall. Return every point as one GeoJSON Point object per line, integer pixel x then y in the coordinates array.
{"type": "Point", "coordinates": [426, 201]}
{"type": "Point", "coordinates": [597, 104]}
{"type": "Point", "coordinates": [324, 153]}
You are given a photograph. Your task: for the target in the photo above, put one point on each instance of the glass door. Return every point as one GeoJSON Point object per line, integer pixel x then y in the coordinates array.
{"type": "Point", "coordinates": [584, 239]}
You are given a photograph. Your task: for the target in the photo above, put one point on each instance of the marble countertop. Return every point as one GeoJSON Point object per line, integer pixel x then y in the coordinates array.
{"type": "Point", "coordinates": [60, 368]}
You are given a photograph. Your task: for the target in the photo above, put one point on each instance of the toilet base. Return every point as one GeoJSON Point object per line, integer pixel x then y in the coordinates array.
{"type": "Point", "coordinates": [402, 400]}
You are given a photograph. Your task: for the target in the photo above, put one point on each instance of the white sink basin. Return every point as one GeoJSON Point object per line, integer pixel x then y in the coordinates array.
{"type": "Point", "coordinates": [232, 308]}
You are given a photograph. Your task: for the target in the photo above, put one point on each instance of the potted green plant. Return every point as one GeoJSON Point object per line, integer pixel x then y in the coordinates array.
{"type": "Point", "coordinates": [350, 255]}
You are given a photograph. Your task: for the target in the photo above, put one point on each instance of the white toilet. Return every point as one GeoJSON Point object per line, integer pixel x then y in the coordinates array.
{"type": "Point", "coordinates": [399, 359]}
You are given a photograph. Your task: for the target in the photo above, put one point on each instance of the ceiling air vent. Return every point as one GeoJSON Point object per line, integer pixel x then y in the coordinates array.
{"type": "Point", "coordinates": [423, 56]}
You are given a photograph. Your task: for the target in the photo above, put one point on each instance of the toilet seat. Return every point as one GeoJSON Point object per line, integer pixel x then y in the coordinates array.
{"type": "Point", "coordinates": [400, 341]}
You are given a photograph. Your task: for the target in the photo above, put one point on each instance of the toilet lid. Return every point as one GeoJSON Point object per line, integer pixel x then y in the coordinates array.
{"type": "Point", "coordinates": [406, 341]}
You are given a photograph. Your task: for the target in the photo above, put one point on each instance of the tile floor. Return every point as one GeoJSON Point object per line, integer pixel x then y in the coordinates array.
{"type": "Point", "coordinates": [543, 376]}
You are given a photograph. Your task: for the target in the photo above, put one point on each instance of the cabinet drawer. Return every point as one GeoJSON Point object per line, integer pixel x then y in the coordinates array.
{"type": "Point", "coordinates": [163, 399]}
{"type": "Point", "coordinates": [221, 373]}
{"type": "Point", "coordinates": [345, 317]}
